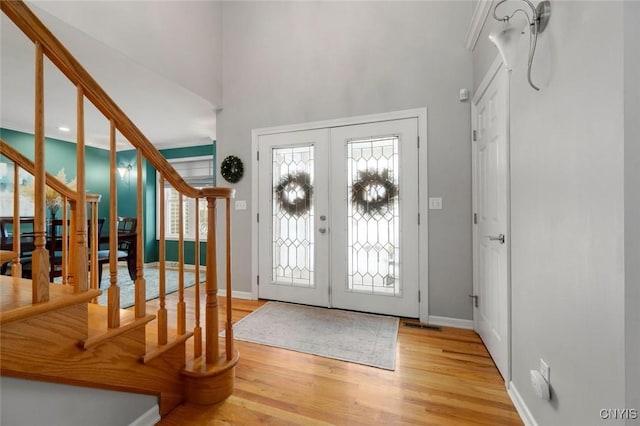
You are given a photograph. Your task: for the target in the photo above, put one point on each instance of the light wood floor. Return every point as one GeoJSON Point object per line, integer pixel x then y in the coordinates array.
{"type": "Point", "coordinates": [441, 378]}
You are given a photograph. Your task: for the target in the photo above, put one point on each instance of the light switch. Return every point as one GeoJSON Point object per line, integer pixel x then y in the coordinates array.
{"type": "Point", "coordinates": [435, 203]}
{"type": "Point", "coordinates": [241, 204]}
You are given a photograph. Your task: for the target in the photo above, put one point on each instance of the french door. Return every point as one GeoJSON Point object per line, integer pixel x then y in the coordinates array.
{"type": "Point", "coordinates": [338, 217]}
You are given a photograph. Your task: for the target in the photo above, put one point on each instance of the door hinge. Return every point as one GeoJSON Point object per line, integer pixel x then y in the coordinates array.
{"type": "Point", "coordinates": [258, 217]}
{"type": "Point", "coordinates": [475, 300]}
{"type": "Point", "coordinates": [258, 279]}
{"type": "Point", "coordinates": [418, 218]}
{"type": "Point", "coordinates": [475, 218]}
{"type": "Point", "coordinates": [418, 142]}
{"type": "Point", "coordinates": [257, 155]}
{"type": "Point", "coordinates": [418, 296]}
{"type": "Point", "coordinates": [475, 136]}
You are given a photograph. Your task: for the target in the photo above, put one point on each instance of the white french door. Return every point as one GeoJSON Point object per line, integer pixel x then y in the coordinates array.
{"type": "Point", "coordinates": [338, 217]}
{"type": "Point", "coordinates": [293, 209]}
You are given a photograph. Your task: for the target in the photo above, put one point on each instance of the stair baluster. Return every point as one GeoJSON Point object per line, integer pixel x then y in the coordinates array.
{"type": "Point", "coordinates": [162, 311]}
{"type": "Point", "coordinates": [181, 307]}
{"type": "Point", "coordinates": [16, 266]}
{"type": "Point", "coordinates": [141, 291]}
{"type": "Point", "coordinates": [197, 330]}
{"type": "Point", "coordinates": [113, 292]}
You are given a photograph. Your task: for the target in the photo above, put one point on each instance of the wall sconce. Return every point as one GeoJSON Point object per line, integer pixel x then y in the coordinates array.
{"type": "Point", "coordinates": [125, 171]}
{"type": "Point", "coordinates": [506, 37]}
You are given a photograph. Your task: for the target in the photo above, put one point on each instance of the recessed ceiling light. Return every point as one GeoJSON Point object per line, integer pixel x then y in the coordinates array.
{"type": "Point", "coordinates": [64, 129]}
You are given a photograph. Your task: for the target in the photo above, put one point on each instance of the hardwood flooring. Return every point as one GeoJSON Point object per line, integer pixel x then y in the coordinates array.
{"type": "Point", "coordinates": [441, 378]}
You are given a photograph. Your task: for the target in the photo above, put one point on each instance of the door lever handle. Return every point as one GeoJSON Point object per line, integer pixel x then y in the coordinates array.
{"type": "Point", "coordinates": [500, 238]}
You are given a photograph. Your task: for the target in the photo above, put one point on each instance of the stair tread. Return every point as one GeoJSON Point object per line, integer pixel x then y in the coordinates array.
{"type": "Point", "coordinates": [16, 292]}
{"type": "Point", "coordinates": [16, 299]}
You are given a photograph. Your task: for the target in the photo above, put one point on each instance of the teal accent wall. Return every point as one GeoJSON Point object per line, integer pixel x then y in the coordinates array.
{"type": "Point", "coordinates": [127, 205]}
{"type": "Point", "coordinates": [62, 154]}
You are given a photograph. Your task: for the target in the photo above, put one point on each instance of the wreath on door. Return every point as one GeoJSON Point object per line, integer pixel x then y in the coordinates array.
{"type": "Point", "coordinates": [373, 192]}
{"type": "Point", "coordinates": [293, 193]}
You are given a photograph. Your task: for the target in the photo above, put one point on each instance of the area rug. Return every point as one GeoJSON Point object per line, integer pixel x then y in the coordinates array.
{"type": "Point", "coordinates": [152, 279]}
{"type": "Point", "coordinates": [348, 336]}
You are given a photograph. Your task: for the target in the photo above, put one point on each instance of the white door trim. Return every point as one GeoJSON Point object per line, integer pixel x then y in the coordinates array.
{"type": "Point", "coordinates": [421, 115]}
{"type": "Point", "coordinates": [496, 66]}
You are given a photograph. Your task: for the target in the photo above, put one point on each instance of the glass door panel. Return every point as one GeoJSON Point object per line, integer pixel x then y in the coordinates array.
{"type": "Point", "coordinates": [293, 251]}
{"type": "Point", "coordinates": [374, 239]}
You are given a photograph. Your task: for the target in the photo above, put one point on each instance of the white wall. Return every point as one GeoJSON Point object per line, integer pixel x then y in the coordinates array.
{"type": "Point", "coordinates": [26, 402]}
{"type": "Point", "coordinates": [632, 200]}
{"type": "Point", "coordinates": [295, 62]}
{"type": "Point", "coordinates": [567, 162]}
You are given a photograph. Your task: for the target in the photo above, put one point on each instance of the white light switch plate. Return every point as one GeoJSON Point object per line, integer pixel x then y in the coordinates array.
{"type": "Point", "coordinates": [435, 203]}
{"type": "Point", "coordinates": [241, 204]}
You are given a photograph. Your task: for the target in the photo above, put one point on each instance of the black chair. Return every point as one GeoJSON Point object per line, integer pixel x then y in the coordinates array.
{"type": "Point", "coordinates": [54, 245]}
{"type": "Point", "coordinates": [126, 247]}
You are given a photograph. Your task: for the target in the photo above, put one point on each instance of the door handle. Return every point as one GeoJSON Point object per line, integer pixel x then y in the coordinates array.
{"type": "Point", "coordinates": [498, 238]}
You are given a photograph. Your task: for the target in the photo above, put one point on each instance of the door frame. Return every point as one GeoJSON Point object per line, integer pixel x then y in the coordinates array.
{"type": "Point", "coordinates": [423, 255]}
{"type": "Point", "coordinates": [496, 67]}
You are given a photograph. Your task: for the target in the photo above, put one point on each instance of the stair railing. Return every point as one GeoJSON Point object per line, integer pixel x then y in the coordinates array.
{"type": "Point", "coordinates": [68, 241]}
{"type": "Point", "coordinates": [210, 365]}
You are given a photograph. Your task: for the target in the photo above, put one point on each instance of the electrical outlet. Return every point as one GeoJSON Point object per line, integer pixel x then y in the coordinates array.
{"type": "Point", "coordinates": [544, 370]}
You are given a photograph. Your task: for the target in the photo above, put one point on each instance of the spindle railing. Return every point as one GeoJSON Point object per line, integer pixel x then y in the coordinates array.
{"type": "Point", "coordinates": [211, 366]}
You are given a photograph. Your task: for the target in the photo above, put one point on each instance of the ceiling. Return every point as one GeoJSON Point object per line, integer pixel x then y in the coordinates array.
{"type": "Point", "coordinates": [166, 84]}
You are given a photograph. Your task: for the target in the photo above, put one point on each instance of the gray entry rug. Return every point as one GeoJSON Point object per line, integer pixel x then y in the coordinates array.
{"type": "Point", "coordinates": [348, 336]}
{"type": "Point", "coordinates": [152, 279]}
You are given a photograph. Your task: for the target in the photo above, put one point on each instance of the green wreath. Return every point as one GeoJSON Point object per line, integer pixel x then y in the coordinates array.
{"type": "Point", "coordinates": [373, 192]}
{"type": "Point", "coordinates": [232, 169]}
{"type": "Point", "coordinates": [294, 192]}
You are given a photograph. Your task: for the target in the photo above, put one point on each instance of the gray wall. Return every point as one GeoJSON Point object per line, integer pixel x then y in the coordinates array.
{"type": "Point", "coordinates": [26, 402]}
{"type": "Point", "coordinates": [632, 199]}
{"type": "Point", "coordinates": [295, 62]}
{"type": "Point", "coordinates": [567, 159]}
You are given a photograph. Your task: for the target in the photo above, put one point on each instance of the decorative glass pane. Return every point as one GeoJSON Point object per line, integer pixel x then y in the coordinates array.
{"type": "Point", "coordinates": [293, 216]}
{"type": "Point", "coordinates": [373, 222]}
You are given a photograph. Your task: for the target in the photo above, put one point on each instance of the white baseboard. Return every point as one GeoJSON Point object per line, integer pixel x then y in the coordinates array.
{"type": "Point", "coordinates": [451, 322]}
{"type": "Point", "coordinates": [149, 418]}
{"type": "Point", "coordinates": [520, 405]}
{"type": "Point", "coordinates": [236, 294]}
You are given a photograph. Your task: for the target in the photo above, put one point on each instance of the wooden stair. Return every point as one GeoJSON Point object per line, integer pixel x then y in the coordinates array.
{"type": "Point", "coordinates": [55, 332]}
{"type": "Point", "coordinates": [46, 341]}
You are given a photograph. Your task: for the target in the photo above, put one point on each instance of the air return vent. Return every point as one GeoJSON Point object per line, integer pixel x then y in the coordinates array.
{"type": "Point", "coordinates": [420, 325]}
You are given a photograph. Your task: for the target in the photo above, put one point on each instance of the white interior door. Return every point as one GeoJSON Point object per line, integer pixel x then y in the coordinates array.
{"type": "Point", "coordinates": [340, 250]}
{"type": "Point", "coordinates": [374, 237]}
{"type": "Point", "coordinates": [293, 207]}
{"type": "Point", "coordinates": [491, 240]}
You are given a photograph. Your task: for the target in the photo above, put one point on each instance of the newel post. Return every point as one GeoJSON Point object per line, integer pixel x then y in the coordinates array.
{"type": "Point", "coordinates": [211, 307]}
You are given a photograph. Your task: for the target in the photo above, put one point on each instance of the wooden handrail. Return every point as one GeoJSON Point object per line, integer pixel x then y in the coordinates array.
{"type": "Point", "coordinates": [28, 165]}
{"type": "Point", "coordinates": [33, 28]}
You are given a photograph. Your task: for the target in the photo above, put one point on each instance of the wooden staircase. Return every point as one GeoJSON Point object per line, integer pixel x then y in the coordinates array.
{"type": "Point", "coordinates": [57, 332]}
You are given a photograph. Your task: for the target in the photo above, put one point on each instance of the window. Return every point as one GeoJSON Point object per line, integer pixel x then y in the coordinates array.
{"type": "Point", "coordinates": [197, 172]}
